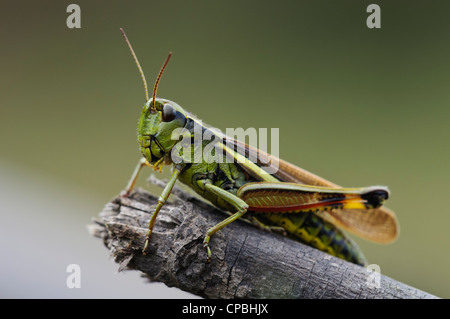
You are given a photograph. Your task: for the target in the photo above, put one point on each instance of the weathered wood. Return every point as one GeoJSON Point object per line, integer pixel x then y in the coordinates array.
{"type": "Point", "coordinates": [247, 262]}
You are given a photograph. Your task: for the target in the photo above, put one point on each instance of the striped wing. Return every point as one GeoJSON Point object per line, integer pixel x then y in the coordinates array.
{"type": "Point", "coordinates": [378, 224]}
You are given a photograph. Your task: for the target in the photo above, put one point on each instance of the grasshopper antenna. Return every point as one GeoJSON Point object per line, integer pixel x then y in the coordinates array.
{"type": "Point", "coordinates": [159, 78]}
{"type": "Point", "coordinates": [138, 65]}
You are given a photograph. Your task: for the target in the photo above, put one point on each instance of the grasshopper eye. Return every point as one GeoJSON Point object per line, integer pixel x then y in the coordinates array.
{"type": "Point", "coordinates": [168, 113]}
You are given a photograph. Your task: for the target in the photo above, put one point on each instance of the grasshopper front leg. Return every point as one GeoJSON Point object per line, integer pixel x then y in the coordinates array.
{"type": "Point", "coordinates": [240, 206]}
{"type": "Point", "coordinates": [142, 162]}
{"type": "Point", "coordinates": [161, 201]}
{"type": "Point", "coordinates": [132, 182]}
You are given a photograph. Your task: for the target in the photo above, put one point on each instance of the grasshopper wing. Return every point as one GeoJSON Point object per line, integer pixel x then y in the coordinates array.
{"type": "Point", "coordinates": [354, 209]}
{"type": "Point", "coordinates": [376, 224]}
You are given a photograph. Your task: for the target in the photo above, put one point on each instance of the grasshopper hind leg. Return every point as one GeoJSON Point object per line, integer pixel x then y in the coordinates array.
{"type": "Point", "coordinates": [270, 228]}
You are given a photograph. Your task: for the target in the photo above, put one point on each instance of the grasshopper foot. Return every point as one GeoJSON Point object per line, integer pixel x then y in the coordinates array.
{"type": "Point", "coordinates": [208, 250]}
{"type": "Point", "coordinates": [125, 193]}
{"type": "Point", "coordinates": [144, 250]}
{"type": "Point", "coordinates": [147, 240]}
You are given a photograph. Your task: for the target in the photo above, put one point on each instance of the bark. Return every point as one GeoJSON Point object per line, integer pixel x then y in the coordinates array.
{"type": "Point", "coordinates": [247, 262]}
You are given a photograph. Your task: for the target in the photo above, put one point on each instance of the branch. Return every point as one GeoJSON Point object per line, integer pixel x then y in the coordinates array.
{"type": "Point", "coordinates": [246, 263]}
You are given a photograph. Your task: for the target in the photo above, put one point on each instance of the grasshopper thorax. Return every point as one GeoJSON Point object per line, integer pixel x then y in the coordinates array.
{"type": "Point", "coordinates": [157, 128]}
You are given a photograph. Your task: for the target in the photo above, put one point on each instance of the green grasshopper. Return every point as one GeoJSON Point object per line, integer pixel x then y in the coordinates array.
{"type": "Point", "coordinates": [304, 206]}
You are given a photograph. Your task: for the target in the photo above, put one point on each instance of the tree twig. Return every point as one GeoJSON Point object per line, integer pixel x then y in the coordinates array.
{"type": "Point", "coordinates": [246, 263]}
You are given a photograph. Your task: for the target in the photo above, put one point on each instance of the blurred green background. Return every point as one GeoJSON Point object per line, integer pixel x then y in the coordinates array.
{"type": "Point", "coordinates": [355, 105]}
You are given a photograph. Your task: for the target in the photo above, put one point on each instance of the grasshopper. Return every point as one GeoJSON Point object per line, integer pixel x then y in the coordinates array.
{"type": "Point", "coordinates": [303, 205]}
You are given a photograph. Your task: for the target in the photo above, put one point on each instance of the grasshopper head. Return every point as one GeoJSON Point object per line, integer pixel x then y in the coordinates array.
{"type": "Point", "coordinates": [158, 120]}
{"type": "Point", "coordinates": [156, 127]}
